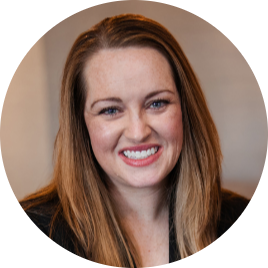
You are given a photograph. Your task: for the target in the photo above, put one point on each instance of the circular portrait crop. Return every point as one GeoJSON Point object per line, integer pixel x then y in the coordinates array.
{"type": "Point", "coordinates": [133, 134]}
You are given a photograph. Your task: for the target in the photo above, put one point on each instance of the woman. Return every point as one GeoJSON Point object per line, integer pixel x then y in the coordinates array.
{"type": "Point", "coordinates": [137, 156]}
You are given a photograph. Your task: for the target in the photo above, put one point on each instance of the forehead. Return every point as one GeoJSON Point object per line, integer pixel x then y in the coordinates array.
{"type": "Point", "coordinates": [126, 69]}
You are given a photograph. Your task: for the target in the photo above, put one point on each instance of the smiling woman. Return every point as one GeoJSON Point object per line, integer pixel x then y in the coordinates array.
{"type": "Point", "coordinates": [127, 101]}
{"type": "Point", "coordinates": [137, 157]}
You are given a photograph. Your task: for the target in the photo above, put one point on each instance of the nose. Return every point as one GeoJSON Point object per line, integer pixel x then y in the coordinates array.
{"type": "Point", "coordinates": [137, 128]}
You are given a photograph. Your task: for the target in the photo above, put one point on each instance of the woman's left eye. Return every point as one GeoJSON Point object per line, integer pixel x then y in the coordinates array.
{"type": "Point", "coordinates": [109, 110]}
{"type": "Point", "coordinates": [159, 104]}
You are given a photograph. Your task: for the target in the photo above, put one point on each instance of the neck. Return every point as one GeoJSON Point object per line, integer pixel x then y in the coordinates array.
{"type": "Point", "coordinates": [140, 204]}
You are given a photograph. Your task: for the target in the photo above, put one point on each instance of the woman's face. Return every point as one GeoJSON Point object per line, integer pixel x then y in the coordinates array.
{"type": "Point", "coordinates": [133, 115]}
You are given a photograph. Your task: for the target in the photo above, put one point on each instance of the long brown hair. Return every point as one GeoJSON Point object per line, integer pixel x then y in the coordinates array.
{"type": "Point", "coordinates": [84, 198]}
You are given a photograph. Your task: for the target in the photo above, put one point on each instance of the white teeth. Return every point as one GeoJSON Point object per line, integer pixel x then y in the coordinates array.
{"type": "Point", "coordinates": [140, 155]}
{"type": "Point", "coordinates": [143, 154]}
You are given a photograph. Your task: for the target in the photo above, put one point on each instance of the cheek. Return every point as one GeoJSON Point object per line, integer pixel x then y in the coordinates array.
{"type": "Point", "coordinates": [103, 137]}
{"type": "Point", "coordinates": [173, 130]}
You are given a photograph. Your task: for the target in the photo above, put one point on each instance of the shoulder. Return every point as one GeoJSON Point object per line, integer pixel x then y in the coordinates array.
{"type": "Point", "coordinates": [48, 217]}
{"type": "Point", "coordinates": [232, 207]}
{"type": "Point", "coordinates": [40, 213]}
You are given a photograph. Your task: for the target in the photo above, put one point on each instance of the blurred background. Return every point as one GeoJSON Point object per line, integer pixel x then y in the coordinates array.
{"type": "Point", "coordinates": [29, 120]}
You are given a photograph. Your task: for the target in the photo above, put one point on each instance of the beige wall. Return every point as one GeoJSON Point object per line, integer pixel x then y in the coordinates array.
{"type": "Point", "coordinates": [25, 124]}
{"type": "Point", "coordinates": [30, 121]}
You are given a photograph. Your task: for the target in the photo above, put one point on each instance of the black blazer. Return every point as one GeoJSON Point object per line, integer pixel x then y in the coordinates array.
{"type": "Point", "coordinates": [232, 207]}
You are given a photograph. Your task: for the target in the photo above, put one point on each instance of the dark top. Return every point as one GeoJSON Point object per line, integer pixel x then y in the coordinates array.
{"type": "Point", "coordinates": [232, 207]}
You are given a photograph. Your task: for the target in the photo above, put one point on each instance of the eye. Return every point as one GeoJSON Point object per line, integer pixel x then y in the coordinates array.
{"type": "Point", "coordinates": [109, 111]}
{"type": "Point", "coordinates": [157, 104]}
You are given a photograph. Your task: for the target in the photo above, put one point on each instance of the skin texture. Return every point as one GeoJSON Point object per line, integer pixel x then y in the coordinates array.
{"type": "Point", "coordinates": [132, 100]}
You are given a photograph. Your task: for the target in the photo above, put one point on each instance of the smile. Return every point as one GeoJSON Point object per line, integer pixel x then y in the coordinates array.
{"type": "Point", "coordinates": [140, 156]}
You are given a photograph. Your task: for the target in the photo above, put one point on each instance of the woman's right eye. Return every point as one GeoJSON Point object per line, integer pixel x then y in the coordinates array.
{"type": "Point", "coordinates": [111, 111]}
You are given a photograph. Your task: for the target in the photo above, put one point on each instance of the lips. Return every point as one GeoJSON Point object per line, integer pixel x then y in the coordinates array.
{"type": "Point", "coordinates": [140, 147]}
{"type": "Point", "coordinates": [142, 162]}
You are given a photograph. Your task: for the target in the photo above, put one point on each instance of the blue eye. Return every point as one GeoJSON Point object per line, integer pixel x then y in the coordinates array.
{"type": "Point", "coordinates": [158, 104]}
{"type": "Point", "coordinates": [110, 111]}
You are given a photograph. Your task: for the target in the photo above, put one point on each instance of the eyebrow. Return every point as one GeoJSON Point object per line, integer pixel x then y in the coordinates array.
{"type": "Point", "coordinates": [114, 99]}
